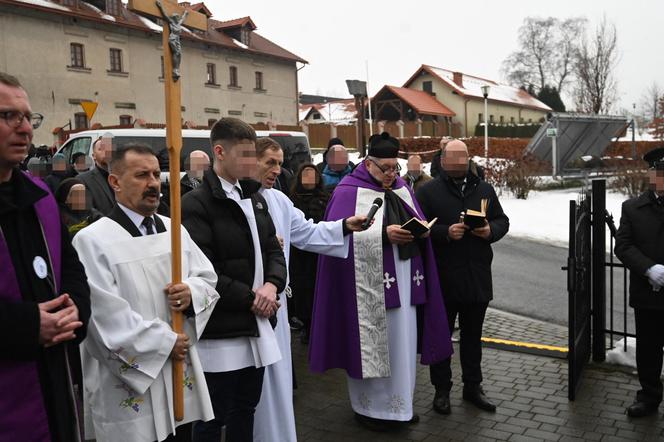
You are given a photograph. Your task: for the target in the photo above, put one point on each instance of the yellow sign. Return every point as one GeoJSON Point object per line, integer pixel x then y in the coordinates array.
{"type": "Point", "coordinates": [90, 107]}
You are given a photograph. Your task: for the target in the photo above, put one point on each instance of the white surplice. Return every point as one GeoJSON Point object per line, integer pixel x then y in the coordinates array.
{"type": "Point", "coordinates": [275, 419]}
{"type": "Point", "coordinates": [391, 398]}
{"type": "Point", "coordinates": [127, 369]}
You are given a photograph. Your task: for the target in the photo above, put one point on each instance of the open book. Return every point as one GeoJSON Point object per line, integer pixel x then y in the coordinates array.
{"type": "Point", "coordinates": [418, 227]}
{"type": "Point", "coordinates": [474, 218]}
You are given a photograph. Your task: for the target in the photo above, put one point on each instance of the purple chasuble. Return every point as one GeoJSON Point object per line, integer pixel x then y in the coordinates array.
{"type": "Point", "coordinates": [335, 334]}
{"type": "Point", "coordinates": [22, 411]}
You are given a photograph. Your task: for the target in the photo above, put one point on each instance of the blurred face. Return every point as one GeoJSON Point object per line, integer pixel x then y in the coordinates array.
{"type": "Point", "coordinates": [199, 162]}
{"type": "Point", "coordinates": [454, 159]}
{"type": "Point", "coordinates": [137, 184]}
{"type": "Point", "coordinates": [102, 151]}
{"type": "Point", "coordinates": [337, 158]}
{"type": "Point", "coordinates": [656, 178]}
{"type": "Point", "coordinates": [81, 164]}
{"type": "Point", "coordinates": [14, 141]}
{"type": "Point", "coordinates": [76, 199]}
{"type": "Point", "coordinates": [59, 164]}
{"type": "Point", "coordinates": [238, 161]}
{"type": "Point", "coordinates": [309, 178]}
{"type": "Point", "coordinates": [414, 165]}
{"type": "Point", "coordinates": [269, 167]}
{"type": "Point", "coordinates": [384, 170]}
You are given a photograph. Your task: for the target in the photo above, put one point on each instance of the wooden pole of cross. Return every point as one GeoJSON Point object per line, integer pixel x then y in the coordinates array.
{"type": "Point", "coordinates": [174, 18]}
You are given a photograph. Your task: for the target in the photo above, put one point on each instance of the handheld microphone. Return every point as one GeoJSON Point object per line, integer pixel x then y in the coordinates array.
{"type": "Point", "coordinates": [372, 212]}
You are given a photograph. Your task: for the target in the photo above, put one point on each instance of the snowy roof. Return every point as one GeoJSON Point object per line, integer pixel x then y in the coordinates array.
{"type": "Point", "coordinates": [472, 88]}
{"type": "Point", "coordinates": [334, 111]}
{"type": "Point", "coordinates": [214, 36]}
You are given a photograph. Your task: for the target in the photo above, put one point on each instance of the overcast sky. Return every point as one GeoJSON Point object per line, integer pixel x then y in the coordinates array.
{"type": "Point", "coordinates": [396, 37]}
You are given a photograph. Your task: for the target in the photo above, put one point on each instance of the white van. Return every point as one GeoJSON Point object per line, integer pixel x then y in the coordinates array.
{"type": "Point", "coordinates": [295, 144]}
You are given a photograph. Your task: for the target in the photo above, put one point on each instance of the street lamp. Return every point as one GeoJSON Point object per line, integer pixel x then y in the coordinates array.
{"type": "Point", "coordinates": [485, 92]}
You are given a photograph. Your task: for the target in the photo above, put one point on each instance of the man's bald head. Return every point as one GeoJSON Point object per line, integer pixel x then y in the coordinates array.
{"type": "Point", "coordinates": [454, 158]}
{"type": "Point", "coordinates": [197, 163]}
{"type": "Point", "coordinates": [337, 157]}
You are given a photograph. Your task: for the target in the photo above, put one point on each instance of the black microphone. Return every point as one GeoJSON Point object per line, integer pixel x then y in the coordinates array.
{"type": "Point", "coordinates": [372, 212]}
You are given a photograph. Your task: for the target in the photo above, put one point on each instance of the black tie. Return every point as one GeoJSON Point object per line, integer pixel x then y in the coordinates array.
{"type": "Point", "coordinates": [239, 190]}
{"type": "Point", "coordinates": [148, 222]}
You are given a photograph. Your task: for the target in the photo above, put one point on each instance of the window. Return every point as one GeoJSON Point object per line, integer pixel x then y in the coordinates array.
{"type": "Point", "coordinates": [211, 73]}
{"type": "Point", "coordinates": [77, 52]}
{"type": "Point", "coordinates": [125, 120]}
{"type": "Point", "coordinates": [211, 122]}
{"type": "Point", "coordinates": [427, 86]}
{"type": "Point", "coordinates": [259, 81]}
{"type": "Point", "coordinates": [244, 36]}
{"type": "Point", "coordinates": [113, 7]}
{"type": "Point", "coordinates": [70, 3]}
{"type": "Point", "coordinates": [161, 75]}
{"type": "Point", "coordinates": [512, 120]}
{"type": "Point", "coordinates": [80, 120]}
{"type": "Point", "coordinates": [233, 76]}
{"type": "Point", "coordinates": [490, 118]}
{"type": "Point", "coordinates": [75, 146]}
{"type": "Point", "coordinates": [116, 60]}
{"type": "Point", "coordinates": [480, 118]}
{"type": "Point", "coordinates": [502, 119]}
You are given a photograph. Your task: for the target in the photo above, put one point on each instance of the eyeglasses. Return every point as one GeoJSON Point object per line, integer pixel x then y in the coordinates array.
{"type": "Point", "coordinates": [387, 169]}
{"type": "Point", "coordinates": [15, 118]}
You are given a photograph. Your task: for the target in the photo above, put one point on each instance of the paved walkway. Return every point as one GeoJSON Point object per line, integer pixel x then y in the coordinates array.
{"type": "Point", "coordinates": [530, 391]}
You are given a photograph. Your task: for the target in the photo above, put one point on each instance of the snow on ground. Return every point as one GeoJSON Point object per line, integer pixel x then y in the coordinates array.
{"type": "Point", "coordinates": [543, 217]}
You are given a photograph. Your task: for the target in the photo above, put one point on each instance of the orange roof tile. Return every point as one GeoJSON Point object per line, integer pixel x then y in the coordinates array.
{"type": "Point", "coordinates": [420, 101]}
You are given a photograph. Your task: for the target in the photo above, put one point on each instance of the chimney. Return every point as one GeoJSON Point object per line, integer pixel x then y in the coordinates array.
{"type": "Point", "coordinates": [458, 79]}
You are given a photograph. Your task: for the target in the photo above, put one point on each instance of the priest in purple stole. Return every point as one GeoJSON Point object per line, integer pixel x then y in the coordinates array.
{"type": "Point", "coordinates": [44, 296]}
{"type": "Point", "coordinates": [375, 310]}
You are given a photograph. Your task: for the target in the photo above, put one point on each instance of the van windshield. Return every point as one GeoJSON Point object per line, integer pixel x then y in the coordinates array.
{"type": "Point", "coordinates": [158, 145]}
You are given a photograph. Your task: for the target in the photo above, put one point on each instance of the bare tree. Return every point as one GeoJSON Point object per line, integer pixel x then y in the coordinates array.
{"type": "Point", "coordinates": [547, 47]}
{"type": "Point", "coordinates": [649, 102]}
{"type": "Point", "coordinates": [595, 65]}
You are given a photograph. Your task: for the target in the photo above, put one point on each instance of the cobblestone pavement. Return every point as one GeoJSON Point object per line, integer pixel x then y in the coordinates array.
{"type": "Point", "coordinates": [530, 391]}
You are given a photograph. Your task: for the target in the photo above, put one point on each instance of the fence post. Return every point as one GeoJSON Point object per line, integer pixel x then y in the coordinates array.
{"type": "Point", "coordinates": [599, 269]}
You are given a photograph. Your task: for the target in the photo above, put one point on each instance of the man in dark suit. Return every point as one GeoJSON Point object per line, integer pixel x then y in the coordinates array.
{"type": "Point", "coordinates": [464, 265]}
{"type": "Point", "coordinates": [640, 246]}
{"type": "Point", "coordinates": [96, 179]}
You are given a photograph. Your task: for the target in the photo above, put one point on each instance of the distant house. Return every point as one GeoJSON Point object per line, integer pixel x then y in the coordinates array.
{"type": "Point", "coordinates": [68, 51]}
{"type": "Point", "coordinates": [455, 98]}
{"type": "Point", "coordinates": [338, 112]}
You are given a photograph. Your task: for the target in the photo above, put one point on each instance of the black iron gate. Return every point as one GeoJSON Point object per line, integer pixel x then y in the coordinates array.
{"type": "Point", "coordinates": [587, 283]}
{"type": "Point", "coordinates": [578, 288]}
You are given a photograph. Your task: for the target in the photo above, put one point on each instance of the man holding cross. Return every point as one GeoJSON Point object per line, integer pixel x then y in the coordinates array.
{"type": "Point", "coordinates": [129, 355]}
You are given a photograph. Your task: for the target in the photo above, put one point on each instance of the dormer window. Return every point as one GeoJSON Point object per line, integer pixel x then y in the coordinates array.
{"type": "Point", "coordinates": [245, 35]}
{"type": "Point", "coordinates": [113, 7]}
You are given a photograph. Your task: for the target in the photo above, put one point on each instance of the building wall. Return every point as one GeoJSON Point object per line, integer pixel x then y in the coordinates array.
{"type": "Point", "coordinates": [36, 48]}
{"type": "Point", "coordinates": [475, 107]}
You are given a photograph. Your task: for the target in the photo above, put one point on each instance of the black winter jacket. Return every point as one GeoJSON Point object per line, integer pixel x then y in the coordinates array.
{"type": "Point", "coordinates": [219, 227]}
{"type": "Point", "coordinates": [640, 245]}
{"type": "Point", "coordinates": [464, 266]}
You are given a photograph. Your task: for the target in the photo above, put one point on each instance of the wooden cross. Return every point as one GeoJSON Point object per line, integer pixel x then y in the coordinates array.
{"type": "Point", "coordinates": [173, 17]}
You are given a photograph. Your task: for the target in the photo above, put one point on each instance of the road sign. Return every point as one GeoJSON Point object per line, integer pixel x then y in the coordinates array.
{"type": "Point", "coordinates": [552, 132]}
{"type": "Point", "coordinates": [89, 107]}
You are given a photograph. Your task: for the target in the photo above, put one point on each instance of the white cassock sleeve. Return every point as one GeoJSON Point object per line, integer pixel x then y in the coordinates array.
{"type": "Point", "coordinates": [117, 334]}
{"type": "Point", "coordinates": [202, 281]}
{"type": "Point", "coordinates": [325, 237]}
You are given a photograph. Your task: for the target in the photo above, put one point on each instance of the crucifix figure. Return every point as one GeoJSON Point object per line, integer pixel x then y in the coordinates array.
{"type": "Point", "coordinates": [175, 22]}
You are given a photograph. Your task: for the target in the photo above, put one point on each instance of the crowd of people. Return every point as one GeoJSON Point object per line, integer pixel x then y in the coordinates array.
{"type": "Point", "coordinates": [87, 295]}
